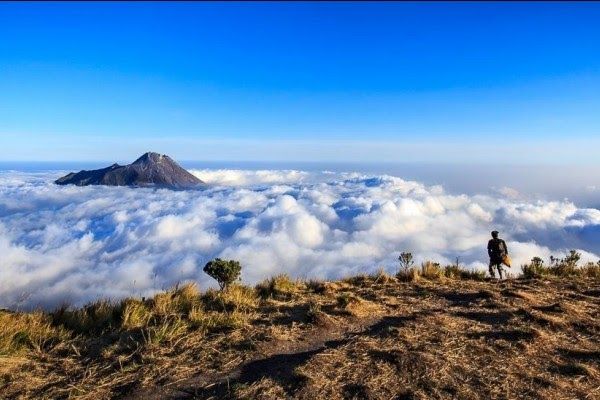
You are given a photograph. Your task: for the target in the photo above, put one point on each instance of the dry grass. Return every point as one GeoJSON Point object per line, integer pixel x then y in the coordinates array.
{"type": "Point", "coordinates": [32, 331]}
{"type": "Point", "coordinates": [279, 287]}
{"type": "Point", "coordinates": [432, 271]}
{"type": "Point", "coordinates": [442, 335]}
{"type": "Point", "coordinates": [411, 274]}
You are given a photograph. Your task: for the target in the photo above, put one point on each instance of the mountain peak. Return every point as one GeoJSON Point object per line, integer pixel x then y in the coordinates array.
{"type": "Point", "coordinates": [151, 169]}
{"type": "Point", "coordinates": [151, 157]}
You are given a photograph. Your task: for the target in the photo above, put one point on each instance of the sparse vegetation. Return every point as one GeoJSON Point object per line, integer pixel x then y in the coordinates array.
{"type": "Point", "coordinates": [455, 271]}
{"type": "Point", "coordinates": [381, 277]}
{"type": "Point", "coordinates": [316, 286]}
{"type": "Point", "coordinates": [566, 267]}
{"type": "Point", "coordinates": [443, 328]}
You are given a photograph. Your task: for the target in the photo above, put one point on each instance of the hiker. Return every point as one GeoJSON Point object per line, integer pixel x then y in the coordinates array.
{"type": "Point", "coordinates": [497, 250]}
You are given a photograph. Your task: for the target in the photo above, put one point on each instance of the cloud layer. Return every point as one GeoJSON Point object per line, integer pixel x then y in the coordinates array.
{"type": "Point", "coordinates": [76, 244]}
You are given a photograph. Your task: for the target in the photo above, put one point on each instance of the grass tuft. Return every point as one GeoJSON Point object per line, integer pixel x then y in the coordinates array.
{"type": "Point", "coordinates": [431, 271]}
{"type": "Point", "coordinates": [280, 287]}
{"type": "Point", "coordinates": [33, 331]}
{"type": "Point", "coordinates": [411, 274]}
{"type": "Point", "coordinates": [234, 298]}
{"type": "Point", "coordinates": [134, 314]}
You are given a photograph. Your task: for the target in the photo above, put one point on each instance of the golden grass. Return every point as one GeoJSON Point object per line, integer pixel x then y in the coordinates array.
{"type": "Point", "coordinates": [280, 287]}
{"type": "Point", "coordinates": [381, 277]}
{"type": "Point", "coordinates": [31, 331]}
{"type": "Point", "coordinates": [135, 314]}
{"type": "Point", "coordinates": [431, 270]}
{"type": "Point", "coordinates": [235, 297]}
{"type": "Point", "coordinates": [443, 336]}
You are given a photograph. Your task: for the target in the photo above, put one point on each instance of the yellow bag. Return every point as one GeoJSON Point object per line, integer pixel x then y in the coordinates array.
{"type": "Point", "coordinates": [506, 260]}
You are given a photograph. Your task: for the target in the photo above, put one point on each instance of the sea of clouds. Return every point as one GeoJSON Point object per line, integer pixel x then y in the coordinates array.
{"type": "Point", "coordinates": [71, 245]}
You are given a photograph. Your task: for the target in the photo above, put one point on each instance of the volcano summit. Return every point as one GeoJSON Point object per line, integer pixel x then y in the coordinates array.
{"type": "Point", "coordinates": [150, 170]}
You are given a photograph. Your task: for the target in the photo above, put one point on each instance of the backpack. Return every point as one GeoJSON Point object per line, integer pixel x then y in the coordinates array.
{"type": "Point", "coordinates": [498, 247]}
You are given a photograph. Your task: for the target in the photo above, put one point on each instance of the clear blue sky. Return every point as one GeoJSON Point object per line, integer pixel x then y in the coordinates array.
{"type": "Point", "coordinates": [450, 82]}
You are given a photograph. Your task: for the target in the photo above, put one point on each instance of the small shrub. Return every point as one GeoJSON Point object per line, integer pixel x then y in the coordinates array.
{"type": "Point", "coordinates": [475, 275]}
{"type": "Point", "coordinates": [225, 272]}
{"type": "Point", "coordinates": [344, 299]}
{"type": "Point", "coordinates": [406, 260]}
{"type": "Point", "coordinates": [313, 312]}
{"type": "Point", "coordinates": [196, 317]}
{"type": "Point", "coordinates": [431, 270]}
{"type": "Point", "coordinates": [535, 269]}
{"type": "Point", "coordinates": [411, 274]}
{"type": "Point", "coordinates": [380, 277]}
{"type": "Point", "coordinates": [186, 297]}
{"type": "Point", "coordinates": [316, 286]}
{"type": "Point", "coordinates": [567, 266]}
{"type": "Point", "coordinates": [453, 271]}
{"type": "Point", "coordinates": [163, 304]}
{"type": "Point", "coordinates": [353, 305]}
{"type": "Point", "coordinates": [279, 287]}
{"type": "Point", "coordinates": [591, 270]}
{"type": "Point", "coordinates": [407, 272]}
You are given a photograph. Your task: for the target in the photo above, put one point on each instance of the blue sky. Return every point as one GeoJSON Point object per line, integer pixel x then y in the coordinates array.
{"type": "Point", "coordinates": [434, 82]}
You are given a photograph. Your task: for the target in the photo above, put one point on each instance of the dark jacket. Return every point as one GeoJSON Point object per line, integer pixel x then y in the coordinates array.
{"type": "Point", "coordinates": [497, 250]}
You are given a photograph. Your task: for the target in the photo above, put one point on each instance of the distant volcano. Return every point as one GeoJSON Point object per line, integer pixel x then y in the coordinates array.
{"type": "Point", "coordinates": [150, 170]}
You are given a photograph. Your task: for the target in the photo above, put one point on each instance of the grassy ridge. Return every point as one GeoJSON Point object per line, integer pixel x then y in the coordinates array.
{"type": "Point", "coordinates": [429, 332]}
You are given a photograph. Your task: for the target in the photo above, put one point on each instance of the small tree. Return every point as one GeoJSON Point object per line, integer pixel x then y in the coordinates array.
{"type": "Point", "coordinates": [406, 261]}
{"type": "Point", "coordinates": [225, 272]}
{"type": "Point", "coordinates": [407, 272]}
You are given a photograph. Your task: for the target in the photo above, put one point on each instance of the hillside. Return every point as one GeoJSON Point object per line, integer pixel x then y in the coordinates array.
{"type": "Point", "coordinates": [367, 337]}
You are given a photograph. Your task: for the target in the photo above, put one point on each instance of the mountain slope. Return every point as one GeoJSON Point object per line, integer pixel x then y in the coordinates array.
{"type": "Point", "coordinates": [151, 169]}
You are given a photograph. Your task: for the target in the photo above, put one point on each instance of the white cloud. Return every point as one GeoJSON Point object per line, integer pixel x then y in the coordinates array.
{"type": "Point", "coordinates": [238, 177]}
{"type": "Point", "coordinates": [76, 244]}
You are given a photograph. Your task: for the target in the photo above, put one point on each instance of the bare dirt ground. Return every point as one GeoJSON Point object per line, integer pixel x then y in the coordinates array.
{"type": "Point", "coordinates": [363, 338]}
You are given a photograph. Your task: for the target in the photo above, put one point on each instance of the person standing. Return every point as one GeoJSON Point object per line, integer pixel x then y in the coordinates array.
{"type": "Point", "coordinates": [497, 251]}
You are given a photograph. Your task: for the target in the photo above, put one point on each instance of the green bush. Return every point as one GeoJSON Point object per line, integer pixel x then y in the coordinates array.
{"type": "Point", "coordinates": [225, 272]}
{"type": "Point", "coordinates": [565, 266]}
{"type": "Point", "coordinates": [535, 269]}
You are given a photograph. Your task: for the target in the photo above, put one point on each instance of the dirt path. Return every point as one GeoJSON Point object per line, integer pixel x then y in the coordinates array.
{"type": "Point", "coordinates": [276, 360]}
